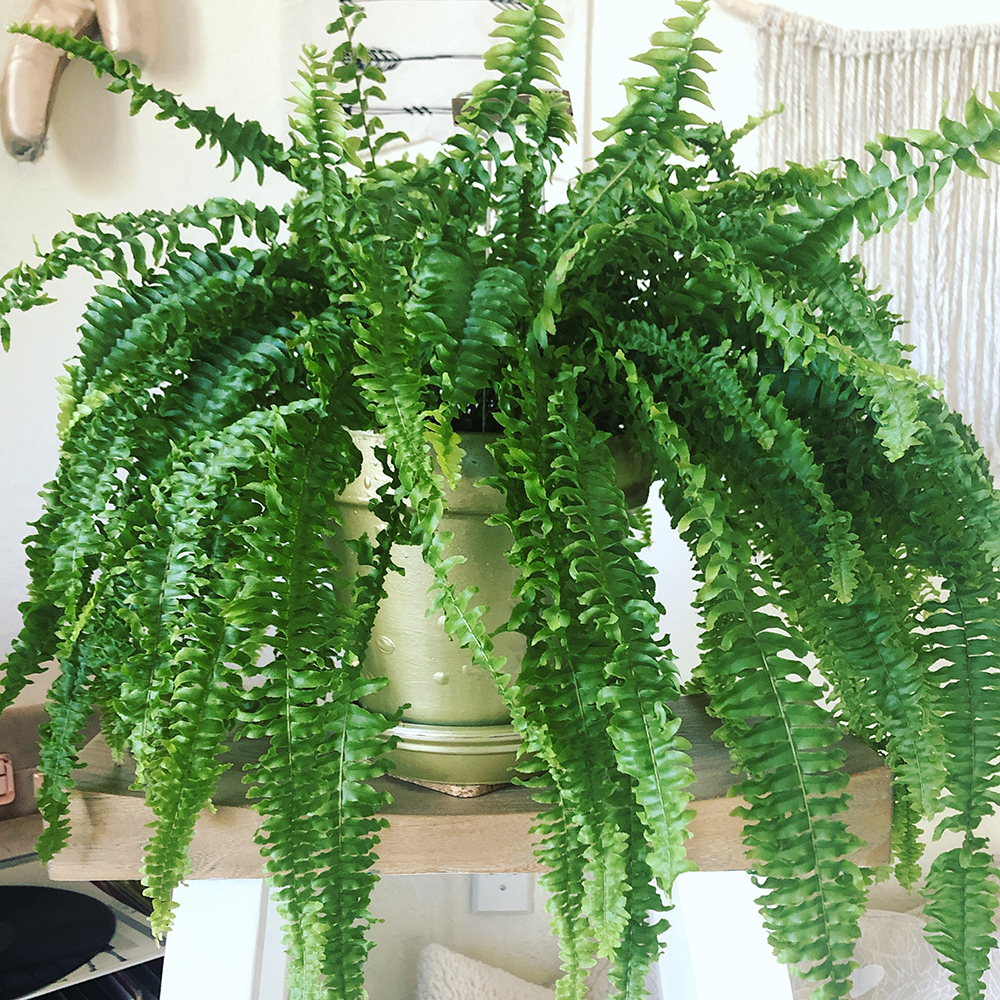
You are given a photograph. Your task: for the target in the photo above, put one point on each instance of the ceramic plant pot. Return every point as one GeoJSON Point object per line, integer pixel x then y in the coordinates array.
{"type": "Point", "coordinates": [456, 729]}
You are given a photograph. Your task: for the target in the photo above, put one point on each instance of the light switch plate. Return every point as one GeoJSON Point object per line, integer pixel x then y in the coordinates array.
{"type": "Point", "coordinates": [511, 893]}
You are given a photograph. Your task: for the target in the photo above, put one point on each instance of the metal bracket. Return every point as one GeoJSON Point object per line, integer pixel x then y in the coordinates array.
{"type": "Point", "coordinates": [458, 103]}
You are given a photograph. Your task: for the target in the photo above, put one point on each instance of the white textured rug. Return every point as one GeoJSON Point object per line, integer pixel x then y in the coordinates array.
{"type": "Point", "coordinates": [445, 975]}
{"type": "Point", "coordinates": [896, 963]}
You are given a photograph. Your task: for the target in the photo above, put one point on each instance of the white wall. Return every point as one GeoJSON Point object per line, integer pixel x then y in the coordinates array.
{"type": "Point", "coordinates": [230, 53]}
{"type": "Point", "coordinates": [235, 54]}
{"type": "Point", "coordinates": [435, 909]}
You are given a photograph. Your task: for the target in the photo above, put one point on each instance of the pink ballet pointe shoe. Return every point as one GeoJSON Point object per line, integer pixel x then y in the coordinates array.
{"type": "Point", "coordinates": [33, 68]}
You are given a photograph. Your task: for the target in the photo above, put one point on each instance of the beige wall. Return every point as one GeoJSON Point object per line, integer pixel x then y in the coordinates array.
{"type": "Point", "coordinates": [233, 54]}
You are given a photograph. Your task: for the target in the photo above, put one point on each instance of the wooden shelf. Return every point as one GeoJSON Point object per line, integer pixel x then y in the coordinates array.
{"type": "Point", "coordinates": [430, 832]}
{"type": "Point", "coordinates": [20, 823]}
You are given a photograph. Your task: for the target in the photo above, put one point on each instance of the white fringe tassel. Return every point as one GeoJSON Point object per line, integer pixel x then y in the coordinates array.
{"type": "Point", "coordinates": [841, 88]}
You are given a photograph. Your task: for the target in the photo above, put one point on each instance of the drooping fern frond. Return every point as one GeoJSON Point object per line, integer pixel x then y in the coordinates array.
{"type": "Point", "coordinates": [842, 604]}
{"type": "Point", "coordinates": [962, 885]}
{"type": "Point", "coordinates": [673, 319]}
{"type": "Point", "coordinates": [771, 721]}
{"type": "Point", "coordinates": [617, 674]}
{"type": "Point", "coordinates": [497, 303]}
{"type": "Point", "coordinates": [766, 703]}
{"type": "Point", "coordinates": [237, 141]}
{"type": "Point", "coordinates": [559, 849]}
{"type": "Point", "coordinates": [961, 627]}
{"type": "Point", "coordinates": [309, 784]}
{"type": "Point", "coordinates": [158, 560]}
{"type": "Point", "coordinates": [194, 647]}
{"type": "Point", "coordinates": [98, 441]}
{"type": "Point", "coordinates": [70, 702]}
{"type": "Point", "coordinates": [907, 847]}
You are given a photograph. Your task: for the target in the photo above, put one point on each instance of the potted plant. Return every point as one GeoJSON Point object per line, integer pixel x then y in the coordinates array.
{"type": "Point", "coordinates": [831, 500]}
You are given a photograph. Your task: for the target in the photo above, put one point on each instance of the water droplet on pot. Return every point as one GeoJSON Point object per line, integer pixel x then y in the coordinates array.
{"type": "Point", "coordinates": [441, 677]}
{"type": "Point", "coordinates": [367, 481]}
{"type": "Point", "coordinates": [385, 644]}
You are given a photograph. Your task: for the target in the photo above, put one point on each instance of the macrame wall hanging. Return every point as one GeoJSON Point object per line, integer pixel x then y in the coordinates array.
{"type": "Point", "coordinates": [841, 88]}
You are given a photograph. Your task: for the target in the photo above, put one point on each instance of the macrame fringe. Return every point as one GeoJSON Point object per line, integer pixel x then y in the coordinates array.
{"type": "Point", "coordinates": [841, 88]}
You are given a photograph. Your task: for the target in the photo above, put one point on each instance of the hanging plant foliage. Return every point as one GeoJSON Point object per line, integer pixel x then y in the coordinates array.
{"type": "Point", "coordinates": [834, 506]}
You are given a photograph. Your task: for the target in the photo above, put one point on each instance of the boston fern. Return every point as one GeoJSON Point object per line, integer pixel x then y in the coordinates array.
{"type": "Point", "coordinates": [841, 518]}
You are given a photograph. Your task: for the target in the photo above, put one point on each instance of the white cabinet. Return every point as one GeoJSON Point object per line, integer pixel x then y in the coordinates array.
{"type": "Point", "coordinates": [226, 943]}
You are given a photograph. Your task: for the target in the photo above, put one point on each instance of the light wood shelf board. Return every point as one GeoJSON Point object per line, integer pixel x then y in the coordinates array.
{"type": "Point", "coordinates": [429, 832]}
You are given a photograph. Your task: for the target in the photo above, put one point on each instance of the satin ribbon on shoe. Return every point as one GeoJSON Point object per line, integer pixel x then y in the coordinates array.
{"type": "Point", "coordinates": [33, 68]}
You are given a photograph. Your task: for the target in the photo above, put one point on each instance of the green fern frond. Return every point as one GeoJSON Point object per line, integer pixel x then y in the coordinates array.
{"type": "Point", "coordinates": [124, 365]}
{"type": "Point", "coordinates": [560, 850]}
{"type": "Point", "coordinates": [752, 666]}
{"type": "Point", "coordinates": [778, 441]}
{"type": "Point", "coordinates": [524, 62]}
{"type": "Point", "coordinates": [438, 304]}
{"type": "Point", "coordinates": [127, 330]}
{"type": "Point", "coordinates": [783, 740]}
{"type": "Point", "coordinates": [557, 697]}
{"type": "Point", "coordinates": [239, 141]}
{"type": "Point", "coordinates": [579, 571]}
{"type": "Point", "coordinates": [497, 307]}
{"type": "Point", "coordinates": [641, 522]}
{"type": "Point", "coordinates": [322, 145]}
{"type": "Point", "coordinates": [35, 643]}
{"type": "Point", "coordinates": [907, 848]}
{"type": "Point", "coordinates": [961, 896]}
{"type": "Point", "coordinates": [69, 703]}
{"type": "Point", "coordinates": [127, 243]}
{"type": "Point", "coordinates": [309, 784]}
{"type": "Point", "coordinates": [192, 649]}
{"type": "Point", "coordinates": [182, 777]}
{"type": "Point", "coordinates": [319, 125]}
{"type": "Point", "coordinates": [876, 199]}
{"type": "Point", "coordinates": [641, 938]}
{"type": "Point", "coordinates": [360, 81]}
{"type": "Point", "coordinates": [653, 114]}
{"type": "Point", "coordinates": [889, 693]}
{"type": "Point", "coordinates": [894, 391]}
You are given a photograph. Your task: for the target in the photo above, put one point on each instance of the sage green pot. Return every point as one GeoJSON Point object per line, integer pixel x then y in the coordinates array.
{"type": "Point", "coordinates": [456, 728]}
